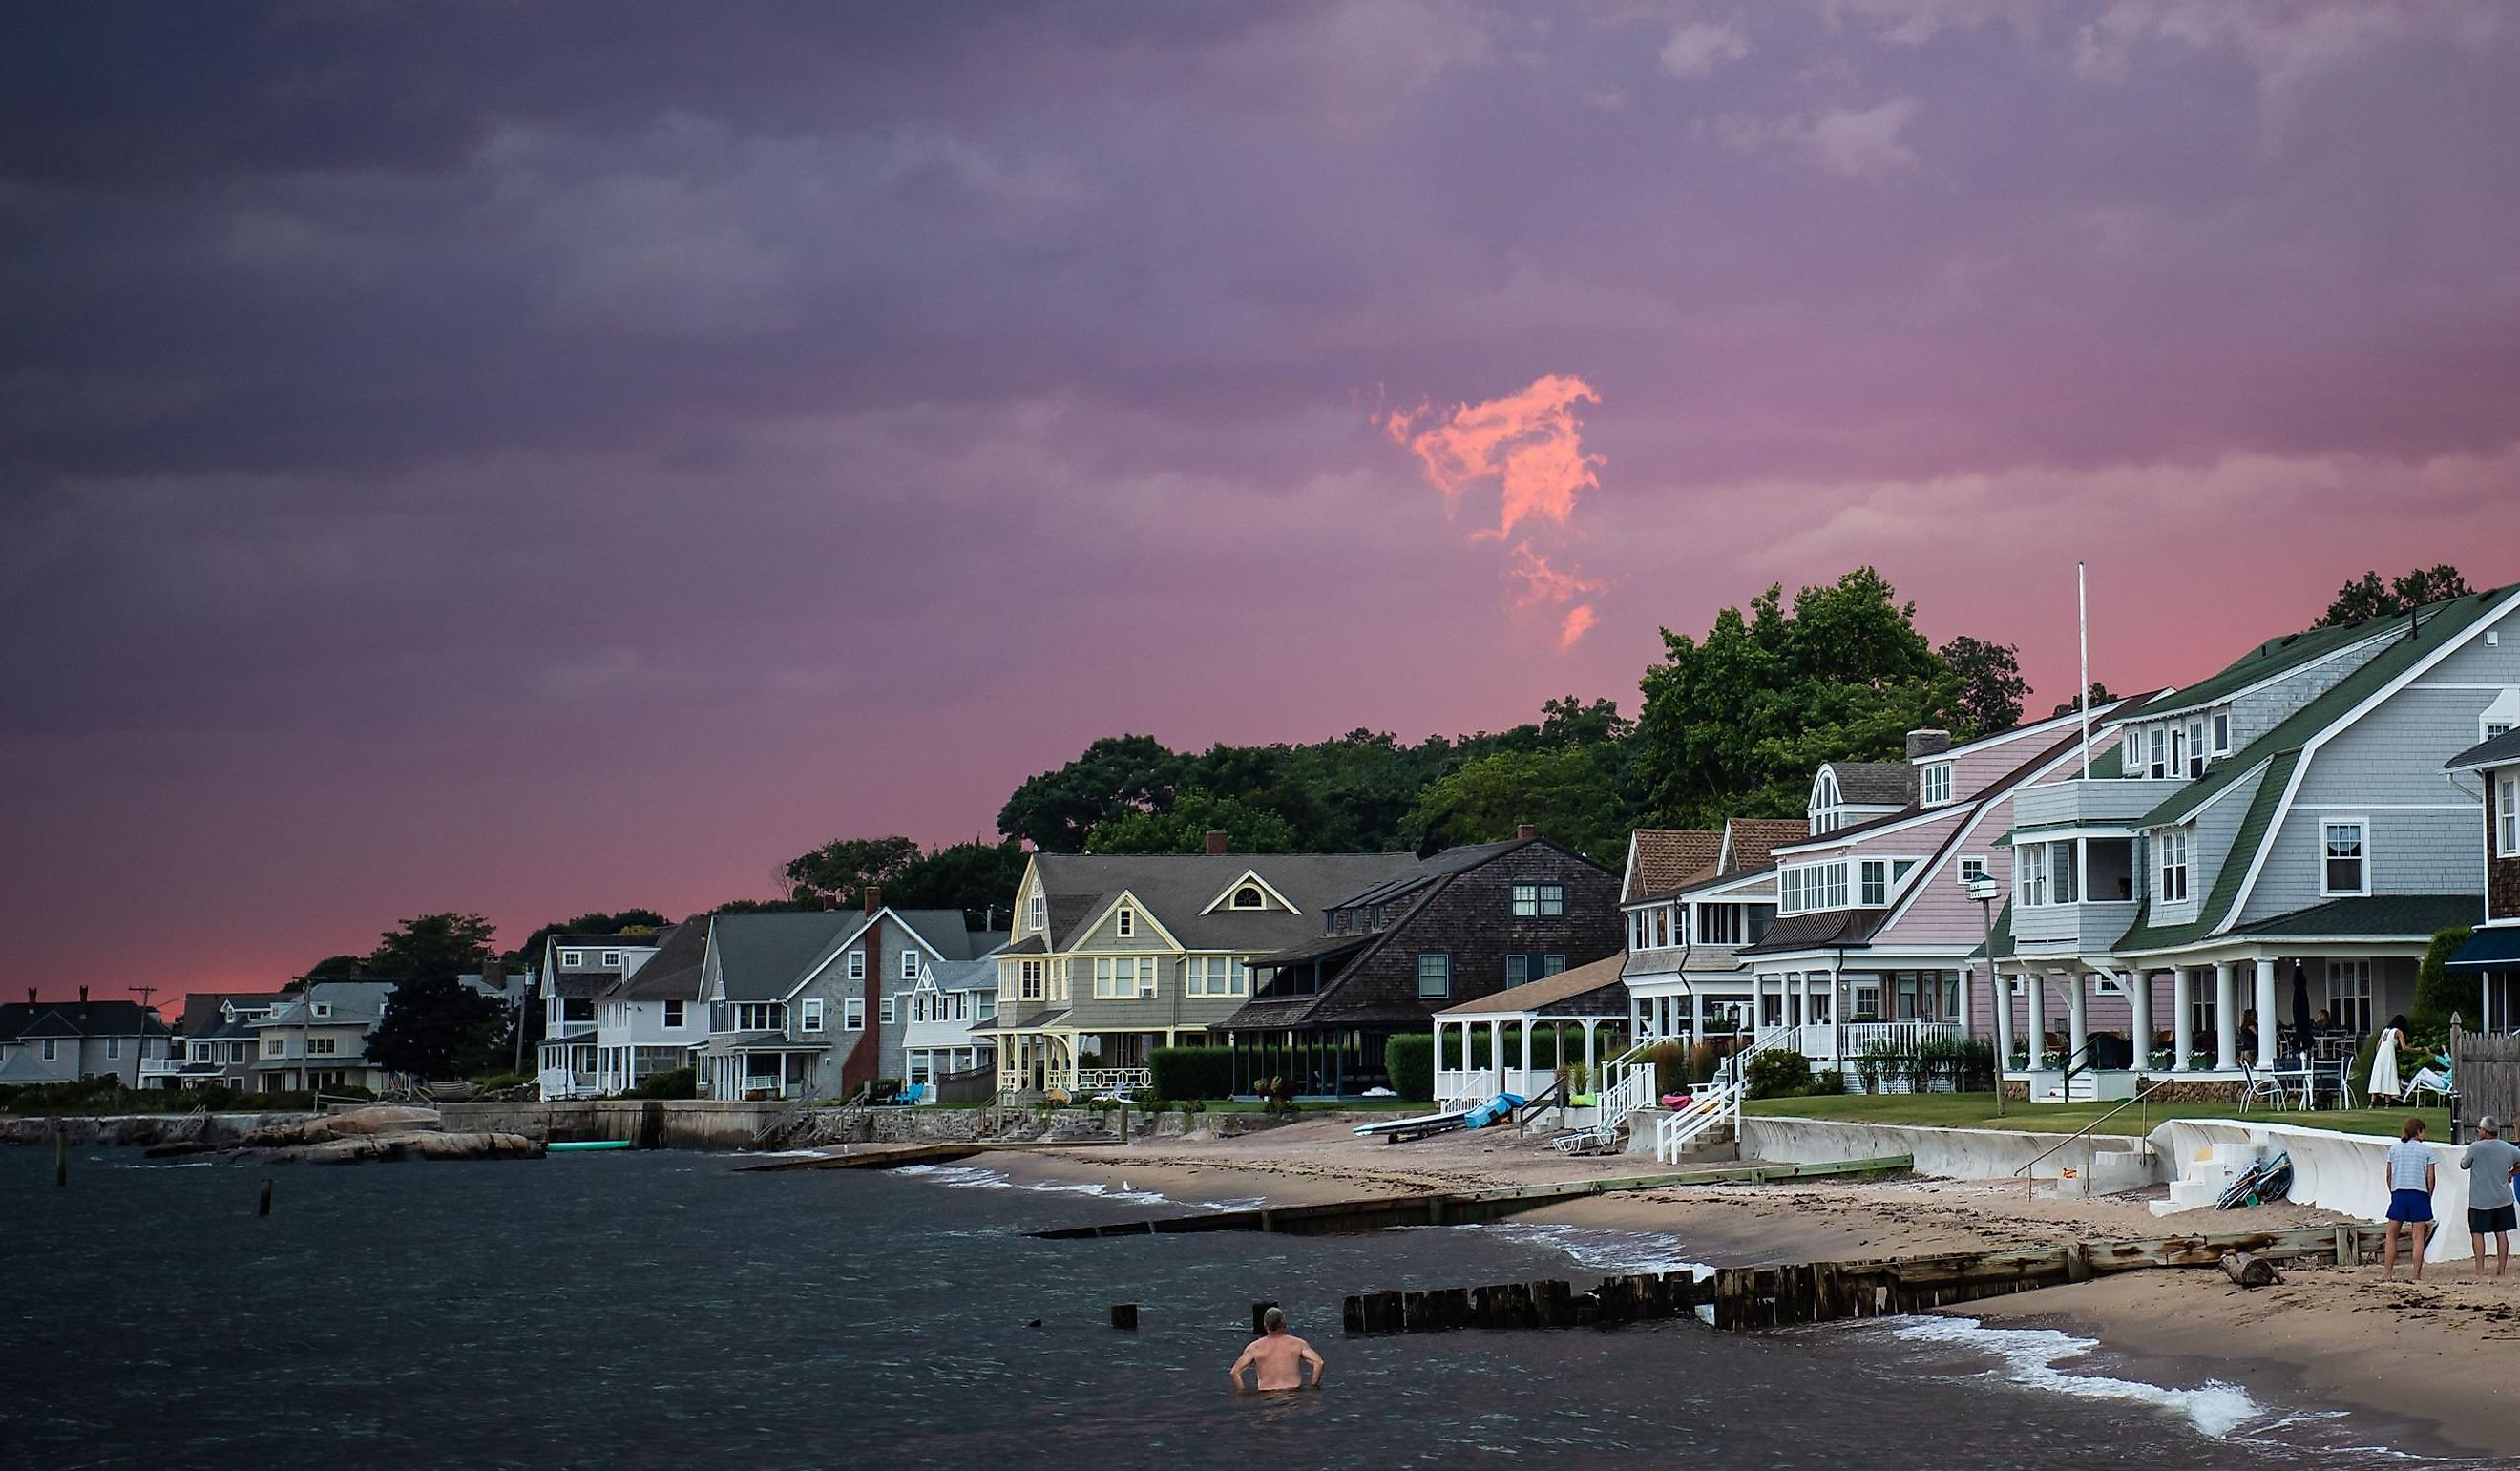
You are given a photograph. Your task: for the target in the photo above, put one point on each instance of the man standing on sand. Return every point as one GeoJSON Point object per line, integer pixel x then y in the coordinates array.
{"type": "Point", "coordinates": [2409, 1172]}
{"type": "Point", "coordinates": [1277, 1357]}
{"type": "Point", "coordinates": [2489, 1162]}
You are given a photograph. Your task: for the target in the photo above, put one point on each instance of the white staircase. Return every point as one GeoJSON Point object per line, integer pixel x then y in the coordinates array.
{"type": "Point", "coordinates": [1716, 1104]}
{"type": "Point", "coordinates": [1631, 1087]}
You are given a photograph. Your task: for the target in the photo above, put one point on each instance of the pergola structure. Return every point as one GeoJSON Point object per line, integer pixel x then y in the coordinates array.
{"type": "Point", "coordinates": [1589, 1000]}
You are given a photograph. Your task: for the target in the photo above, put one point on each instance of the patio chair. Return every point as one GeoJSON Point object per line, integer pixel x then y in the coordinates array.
{"type": "Point", "coordinates": [2333, 1077]}
{"type": "Point", "coordinates": [2266, 1083]}
{"type": "Point", "coordinates": [2433, 1080]}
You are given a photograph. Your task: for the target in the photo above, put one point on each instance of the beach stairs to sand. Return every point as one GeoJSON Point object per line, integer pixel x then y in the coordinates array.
{"type": "Point", "coordinates": [2097, 1165]}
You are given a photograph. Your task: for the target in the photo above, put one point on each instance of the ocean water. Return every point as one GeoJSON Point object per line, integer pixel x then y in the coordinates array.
{"type": "Point", "coordinates": [634, 1310]}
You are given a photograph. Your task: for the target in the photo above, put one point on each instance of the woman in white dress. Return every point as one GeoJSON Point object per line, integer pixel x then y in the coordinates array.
{"type": "Point", "coordinates": [2384, 1062]}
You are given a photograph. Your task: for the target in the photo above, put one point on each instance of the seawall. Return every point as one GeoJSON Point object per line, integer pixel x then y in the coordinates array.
{"type": "Point", "coordinates": [2109, 1162]}
{"type": "Point", "coordinates": [138, 1129]}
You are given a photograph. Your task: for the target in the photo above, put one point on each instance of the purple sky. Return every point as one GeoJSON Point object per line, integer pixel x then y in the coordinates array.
{"type": "Point", "coordinates": [532, 459]}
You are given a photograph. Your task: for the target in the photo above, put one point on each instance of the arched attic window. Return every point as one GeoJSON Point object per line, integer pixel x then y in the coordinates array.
{"type": "Point", "coordinates": [1249, 897]}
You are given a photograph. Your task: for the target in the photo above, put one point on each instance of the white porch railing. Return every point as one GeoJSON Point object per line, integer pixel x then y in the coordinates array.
{"type": "Point", "coordinates": [1104, 1079]}
{"type": "Point", "coordinates": [1831, 1043]}
{"type": "Point", "coordinates": [1480, 1083]}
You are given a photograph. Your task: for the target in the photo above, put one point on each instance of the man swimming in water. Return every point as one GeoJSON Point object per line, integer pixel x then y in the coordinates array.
{"type": "Point", "coordinates": [1277, 1359]}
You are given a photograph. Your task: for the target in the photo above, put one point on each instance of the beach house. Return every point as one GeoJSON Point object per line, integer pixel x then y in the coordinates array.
{"type": "Point", "coordinates": [575, 972]}
{"type": "Point", "coordinates": [2493, 954]}
{"type": "Point", "coordinates": [317, 1039]}
{"type": "Point", "coordinates": [1113, 955]}
{"type": "Point", "coordinates": [1875, 925]}
{"type": "Point", "coordinates": [1464, 924]}
{"type": "Point", "coordinates": [2270, 846]}
{"type": "Point", "coordinates": [1693, 900]}
{"type": "Point", "coordinates": [214, 1040]}
{"type": "Point", "coordinates": [796, 1000]}
{"type": "Point", "coordinates": [65, 1041]}
{"type": "Point", "coordinates": [649, 1020]}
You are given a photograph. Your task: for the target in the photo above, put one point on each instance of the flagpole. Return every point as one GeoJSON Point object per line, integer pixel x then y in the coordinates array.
{"type": "Point", "coordinates": [2083, 622]}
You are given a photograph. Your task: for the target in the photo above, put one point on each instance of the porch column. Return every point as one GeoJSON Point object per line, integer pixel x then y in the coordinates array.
{"type": "Point", "coordinates": [2485, 1000]}
{"type": "Point", "coordinates": [2001, 1005]}
{"type": "Point", "coordinates": [1495, 1051]}
{"type": "Point", "coordinates": [1967, 1017]}
{"type": "Point", "coordinates": [1696, 1015]}
{"type": "Point", "coordinates": [2183, 1017]}
{"type": "Point", "coordinates": [2078, 1019]}
{"type": "Point", "coordinates": [2227, 1016]}
{"type": "Point", "coordinates": [1589, 1065]}
{"type": "Point", "coordinates": [2138, 983]}
{"type": "Point", "coordinates": [2037, 980]}
{"type": "Point", "coordinates": [2266, 1011]}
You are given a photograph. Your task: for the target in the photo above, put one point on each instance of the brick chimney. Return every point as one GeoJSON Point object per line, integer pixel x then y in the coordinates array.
{"type": "Point", "coordinates": [1218, 842]}
{"type": "Point", "coordinates": [865, 1060]}
{"type": "Point", "coordinates": [82, 996]}
{"type": "Point", "coordinates": [1927, 743]}
{"type": "Point", "coordinates": [873, 898]}
{"type": "Point", "coordinates": [1524, 831]}
{"type": "Point", "coordinates": [30, 996]}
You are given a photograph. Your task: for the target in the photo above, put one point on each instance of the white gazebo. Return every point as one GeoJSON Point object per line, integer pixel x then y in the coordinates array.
{"type": "Point", "coordinates": [1589, 1003]}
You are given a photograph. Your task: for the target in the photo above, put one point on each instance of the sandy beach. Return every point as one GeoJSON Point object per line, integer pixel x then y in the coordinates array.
{"type": "Point", "coordinates": [2442, 1354]}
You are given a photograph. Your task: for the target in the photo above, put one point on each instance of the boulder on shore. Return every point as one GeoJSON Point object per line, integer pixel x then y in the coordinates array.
{"type": "Point", "coordinates": [384, 1118]}
{"type": "Point", "coordinates": [416, 1143]}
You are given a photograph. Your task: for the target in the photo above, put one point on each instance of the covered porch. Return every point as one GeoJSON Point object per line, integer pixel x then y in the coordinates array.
{"type": "Point", "coordinates": [760, 1067]}
{"type": "Point", "coordinates": [1520, 1039]}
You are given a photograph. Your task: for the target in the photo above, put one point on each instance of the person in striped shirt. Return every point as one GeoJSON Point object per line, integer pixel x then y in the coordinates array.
{"type": "Point", "coordinates": [2410, 1169]}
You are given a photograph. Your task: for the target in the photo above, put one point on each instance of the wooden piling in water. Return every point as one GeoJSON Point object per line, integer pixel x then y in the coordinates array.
{"type": "Point", "coordinates": [1745, 1298]}
{"type": "Point", "coordinates": [1124, 1317]}
{"type": "Point", "coordinates": [61, 1155]}
{"type": "Point", "coordinates": [263, 1208]}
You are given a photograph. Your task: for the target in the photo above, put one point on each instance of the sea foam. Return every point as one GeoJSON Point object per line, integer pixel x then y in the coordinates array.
{"type": "Point", "coordinates": [2030, 1357]}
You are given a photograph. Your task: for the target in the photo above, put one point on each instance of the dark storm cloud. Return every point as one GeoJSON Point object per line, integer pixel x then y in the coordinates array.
{"type": "Point", "coordinates": [874, 401]}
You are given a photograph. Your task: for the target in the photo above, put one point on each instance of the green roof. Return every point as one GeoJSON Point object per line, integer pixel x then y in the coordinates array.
{"type": "Point", "coordinates": [2273, 657]}
{"type": "Point", "coordinates": [1999, 943]}
{"type": "Point", "coordinates": [2412, 915]}
{"type": "Point", "coordinates": [2448, 623]}
{"type": "Point", "coordinates": [2143, 934]}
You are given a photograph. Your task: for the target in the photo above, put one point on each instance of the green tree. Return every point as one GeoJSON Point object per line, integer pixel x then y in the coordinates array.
{"type": "Point", "coordinates": [840, 872]}
{"type": "Point", "coordinates": [1116, 776]}
{"type": "Point", "coordinates": [1571, 796]}
{"type": "Point", "coordinates": [2367, 596]}
{"type": "Point", "coordinates": [435, 1026]}
{"type": "Point", "coordinates": [432, 945]}
{"type": "Point", "coordinates": [2437, 993]}
{"type": "Point", "coordinates": [1990, 686]}
{"type": "Point", "coordinates": [1731, 725]}
{"type": "Point", "coordinates": [2099, 696]}
{"type": "Point", "coordinates": [1184, 827]}
{"type": "Point", "coordinates": [978, 879]}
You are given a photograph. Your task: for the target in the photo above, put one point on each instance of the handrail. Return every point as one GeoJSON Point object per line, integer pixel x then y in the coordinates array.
{"type": "Point", "coordinates": [2140, 1095]}
{"type": "Point", "coordinates": [785, 1117]}
{"type": "Point", "coordinates": [1554, 1095]}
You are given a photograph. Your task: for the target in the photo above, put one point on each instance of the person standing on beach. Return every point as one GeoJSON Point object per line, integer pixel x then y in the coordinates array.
{"type": "Point", "coordinates": [2409, 1170]}
{"type": "Point", "coordinates": [2489, 1162]}
{"type": "Point", "coordinates": [1277, 1357]}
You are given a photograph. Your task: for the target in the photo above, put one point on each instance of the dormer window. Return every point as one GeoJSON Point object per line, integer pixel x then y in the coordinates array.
{"type": "Point", "coordinates": [1037, 911]}
{"type": "Point", "coordinates": [613, 959]}
{"type": "Point", "coordinates": [1934, 784]}
{"type": "Point", "coordinates": [1249, 897]}
{"type": "Point", "coordinates": [2221, 732]}
{"type": "Point", "coordinates": [322, 1009]}
{"type": "Point", "coordinates": [1126, 924]}
{"type": "Point", "coordinates": [2157, 742]}
{"type": "Point", "coordinates": [572, 959]}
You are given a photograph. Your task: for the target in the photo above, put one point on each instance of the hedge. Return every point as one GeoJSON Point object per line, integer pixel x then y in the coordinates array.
{"type": "Point", "coordinates": [1182, 1073]}
{"type": "Point", "coordinates": [1408, 1057]}
{"type": "Point", "coordinates": [2437, 993]}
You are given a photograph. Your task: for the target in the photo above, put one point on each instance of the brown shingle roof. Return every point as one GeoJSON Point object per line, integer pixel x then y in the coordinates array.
{"type": "Point", "coordinates": [1755, 838]}
{"type": "Point", "coordinates": [1552, 992]}
{"type": "Point", "coordinates": [1669, 857]}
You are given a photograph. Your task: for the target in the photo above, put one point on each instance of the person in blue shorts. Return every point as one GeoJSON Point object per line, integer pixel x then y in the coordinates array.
{"type": "Point", "coordinates": [2490, 1161]}
{"type": "Point", "coordinates": [2410, 1196]}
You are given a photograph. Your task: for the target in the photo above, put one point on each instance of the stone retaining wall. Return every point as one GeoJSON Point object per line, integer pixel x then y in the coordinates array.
{"type": "Point", "coordinates": [138, 1129]}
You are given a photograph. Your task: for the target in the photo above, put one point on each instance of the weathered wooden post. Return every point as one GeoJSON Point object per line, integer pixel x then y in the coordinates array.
{"type": "Point", "coordinates": [264, 1207]}
{"type": "Point", "coordinates": [61, 1153]}
{"type": "Point", "coordinates": [1124, 1121]}
{"type": "Point", "coordinates": [1352, 1315]}
{"type": "Point", "coordinates": [1124, 1317]}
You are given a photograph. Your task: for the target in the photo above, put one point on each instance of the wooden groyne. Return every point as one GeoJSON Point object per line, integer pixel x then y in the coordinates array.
{"type": "Point", "coordinates": [1455, 1207]}
{"type": "Point", "coordinates": [1816, 1292]}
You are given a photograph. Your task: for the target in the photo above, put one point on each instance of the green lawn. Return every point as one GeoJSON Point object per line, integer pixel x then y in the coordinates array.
{"type": "Point", "coordinates": [1977, 1111]}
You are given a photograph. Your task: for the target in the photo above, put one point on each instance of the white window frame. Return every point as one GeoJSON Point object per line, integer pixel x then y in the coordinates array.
{"type": "Point", "coordinates": [811, 1018]}
{"type": "Point", "coordinates": [677, 1015]}
{"type": "Point", "coordinates": [2156, 752]}
{"type": "Point", "coordinates": [2350, 982]}
{"type": "Point", "coordinates": [114, 1048]}
{"type": "Point", "coordinates": [1871, 874]}
{"type": "Point", "coordinates": [853, 1013]}
{"type": "Point", "coordinates": [2030, 877]}
{"type": "Point", "coordinates": [1934, 784]}
{"type": "Point", "coordinates": [1037, 911]}
{"type": "Point", "coordinates": [891, 1010]}
{"type": "Point", "coordinates": [910, 964]}
{"type": "Point", "coordinates": [2506, 813]}
{"type": "Point", "coordinates": [1972, 869]}
{"type": "Point", "coordinates": [1125, 924]}
{"type": "Point", "coordinates": [1259, 898]}
{"type": "Point", "coordinates": [321, 1008]}
{"type": "Point", "coordinates": [2171, 865]}
{"type": "Point", "coordinates": [1124, 978]}
{"type": "Point", "coordinates": [611, 959]}
{"type": "Point", "coordinates": [2221, 732]}
{"type": "Point", "coordinates": [2130, 755]}
{"type": "Point", "coordinates": [1213, 977]}
{"type": "Point", "coordinates": [323, 1046]}
{"type": "Point", "coordinates": [1032, 980]}
{"type": "Point", "coordinates": [2361, 858]}
{"type": "Point", "coordinates": [856, 965]}
{"type": "Point", "coordinates": [572, 959]}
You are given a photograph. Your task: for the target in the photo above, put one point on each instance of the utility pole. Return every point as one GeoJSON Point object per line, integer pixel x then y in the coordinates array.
{"type": "Point", "coordinates": [144, 992]}
{"type": "Point", "coordinates": [1983, 888]}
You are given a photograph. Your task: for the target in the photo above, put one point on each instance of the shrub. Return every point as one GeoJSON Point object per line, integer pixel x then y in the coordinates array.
{"type": "Point", "coordinates": [2437, 993]}
{"type": "Point", "coordinates": [1453, 1048]}
{"type": "Point", "coordinates": [681, 1083]}
{"type": "Point", "coordinates": [1705, 1059]}
{"type": "Point", "coordinates": [490, 1083]}
{"type": "Point", "coordinates": [1779, 1074]}
{"type": "Point", "coordinates": [1825, 1084]}
{"type": "Point", "coordinates": [1192, 1071]}
{"type": "Point", "coordinates": [1410, 1058]}
{"type": "Point", "coordinates": [1671, 1065]}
